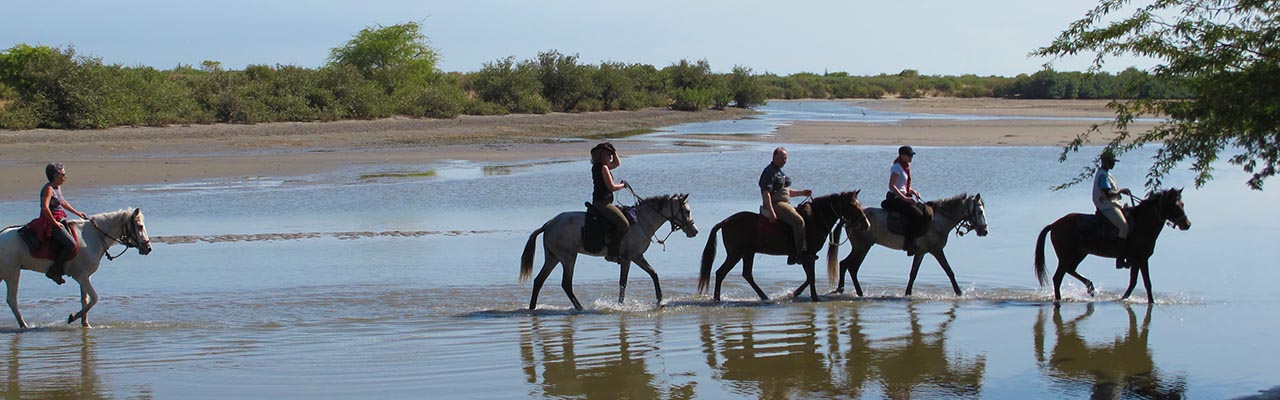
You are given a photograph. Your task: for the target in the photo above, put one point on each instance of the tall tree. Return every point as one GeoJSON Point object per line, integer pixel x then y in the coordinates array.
{"type": "Point", "coordinates": [1225, 52]}
{"type": "Point", "coordinates": [396, 55]}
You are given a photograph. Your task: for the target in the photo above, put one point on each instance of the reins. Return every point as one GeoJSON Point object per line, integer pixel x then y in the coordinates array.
{"type": "Point", "coordinates": [652, 235]}
{"type": "Point", "coordinates": [126, 238]}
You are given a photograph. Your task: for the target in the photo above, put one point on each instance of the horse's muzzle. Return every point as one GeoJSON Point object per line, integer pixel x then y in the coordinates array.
{"type": "Point", "coordinates": [1184, 223]}
{"type": "Point", "coordinates": [982, 231]}
{"type": "Point", "coordinates": [691, 232]}
{"type": "Point", "coordinates": [144, 250]}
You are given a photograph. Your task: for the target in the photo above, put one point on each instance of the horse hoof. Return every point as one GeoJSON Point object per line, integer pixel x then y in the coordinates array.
{"type": "Point", "coordinates": [71, 318]}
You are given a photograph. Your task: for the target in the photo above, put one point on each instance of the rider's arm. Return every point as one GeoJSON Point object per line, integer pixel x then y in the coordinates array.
{"type": "Point", "coordinates": [614, 161]}
{"type": "Point", "coordinates": [73, 210]}
{"type": "Point", "coordinates": [793, 192]}
{"type": "Point", "coordinates": [608, 180]}
{"type": "Point", "coordinates": [768, 205]}
{"type": "Point", "coordinates": [894, 188]}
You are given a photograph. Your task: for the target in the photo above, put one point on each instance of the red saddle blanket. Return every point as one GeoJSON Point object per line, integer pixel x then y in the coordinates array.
{"type": "Point", "coordinates": [768, 231]}
{"type": "Point", "coordinates": [41, 231]}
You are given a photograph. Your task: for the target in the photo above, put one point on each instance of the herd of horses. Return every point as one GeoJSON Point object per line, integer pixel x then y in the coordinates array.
{"type": "Point", "coordinates": [745, 234]}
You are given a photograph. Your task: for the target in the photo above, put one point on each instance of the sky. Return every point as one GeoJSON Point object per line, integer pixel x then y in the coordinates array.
{"type": "Point", "coordinates": [934, 37]}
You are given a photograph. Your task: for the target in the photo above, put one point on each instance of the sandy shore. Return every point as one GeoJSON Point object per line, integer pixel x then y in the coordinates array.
{"type": "Point", "coordinates": [146, 155]}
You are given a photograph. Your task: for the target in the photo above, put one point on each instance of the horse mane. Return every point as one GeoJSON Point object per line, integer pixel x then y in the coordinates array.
{"type": "Point", "coordinates": [661, 197]}
{"type": "Point", "coordinates": [111, 215]}
{"type": "Point", "coordinates": [950, 202]}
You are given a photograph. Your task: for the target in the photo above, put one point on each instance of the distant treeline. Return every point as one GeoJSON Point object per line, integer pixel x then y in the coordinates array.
{"type": "Point", "coordinates": [388, 71]}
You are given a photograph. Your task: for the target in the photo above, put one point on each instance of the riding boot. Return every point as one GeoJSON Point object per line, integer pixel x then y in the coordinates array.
{"type": "Point", "coordinates": [612, 254]}
{"type": "Point", "coordinates": [55, 270]}
{"type": "Point", "coordinates": [1122, 261]}
{"type": "Point", "coordinates": [909, 244]}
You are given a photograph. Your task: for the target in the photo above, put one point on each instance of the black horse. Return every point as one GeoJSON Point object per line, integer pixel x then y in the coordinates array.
{"type": "Point", "coordinates": [1073, 240]}
{"type": "Point", "coordinates": [747, 233]}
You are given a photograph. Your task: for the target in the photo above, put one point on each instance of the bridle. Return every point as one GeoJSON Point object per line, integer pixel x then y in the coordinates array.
{"type": "Point", "coordinates": [128, 238]}
{"type": "Point", "coordinates": [969, 222]}
{"type": "Point", "coordinates": [678, 222]}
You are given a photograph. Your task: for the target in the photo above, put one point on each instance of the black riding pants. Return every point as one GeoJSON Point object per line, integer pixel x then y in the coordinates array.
{"type": "Point", "coordinates": [910, 210]}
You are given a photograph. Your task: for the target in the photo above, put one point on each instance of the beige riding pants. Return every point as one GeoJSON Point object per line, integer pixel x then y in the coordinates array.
{"type": "Point", "coordinates": [788, 214]}
{"type": "Point", "coordinates": [1113, 214]}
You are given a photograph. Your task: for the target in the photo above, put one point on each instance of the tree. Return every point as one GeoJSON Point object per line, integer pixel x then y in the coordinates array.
{"type": "Point", "coordinates": [1225, 53]}
{"type": "Point", "coordinates": [747, 90]}
{"type": "Point", "coordinates": [396, 55]}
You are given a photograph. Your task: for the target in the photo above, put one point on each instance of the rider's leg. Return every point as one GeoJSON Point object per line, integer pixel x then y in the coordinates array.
{"type": "Point", "coordinates": [66, 246]}
{"type": "Point", "coordinates": [1116, 217]}
{"type": "Point", "coordinates": [913, 216]}
{"type": "Point", "coordinates": [788, 215]}
{"type": "Point", "coordinates": [620, 227]}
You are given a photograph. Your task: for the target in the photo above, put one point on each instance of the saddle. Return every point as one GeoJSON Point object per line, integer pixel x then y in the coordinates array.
{"type": "Point", "coordinates": [44, 247]}
{"type": "Point", "coordinates": [778, 230]}
{"type": "Point", "coordinates": [1098, 227]}
{"type": "Point", "coordinates": [897, 224]}
{"type": "Point", "coordinates": [595, 230]}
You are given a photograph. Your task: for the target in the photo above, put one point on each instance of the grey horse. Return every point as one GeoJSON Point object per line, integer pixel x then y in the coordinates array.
{"type": "Point", "coordinates": [961, 213]}
{"type": "Point", "coordinates": [562, 243]}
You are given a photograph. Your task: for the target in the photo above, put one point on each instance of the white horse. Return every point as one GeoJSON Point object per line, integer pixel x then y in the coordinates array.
{"type": "Point", "coordinates": [97, 234]}
{"type": "Point", "coordinates": [563, 242]}
{"type": "Point", "coordinates": [961, 213]}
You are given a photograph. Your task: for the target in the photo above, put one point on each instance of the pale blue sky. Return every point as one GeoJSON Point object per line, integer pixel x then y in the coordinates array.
{"type": "Point", "coordinates": [936, 37]}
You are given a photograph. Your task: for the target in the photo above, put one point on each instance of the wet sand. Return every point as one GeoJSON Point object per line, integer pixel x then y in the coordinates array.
{"type": "Point", "coordinates": [157, 155]}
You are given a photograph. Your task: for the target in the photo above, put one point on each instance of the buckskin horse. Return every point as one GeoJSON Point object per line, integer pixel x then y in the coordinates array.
{"type": "Point", "coordinates": [563, 242]}
{"type": "Point", "coordinates": [97, 234]}
{"type": "Point", "coordinates": [961, 213]}
{"type": "Point", "coordinates": [745, 235]}
{"type": "Point", "coordinates": [1073, 240]}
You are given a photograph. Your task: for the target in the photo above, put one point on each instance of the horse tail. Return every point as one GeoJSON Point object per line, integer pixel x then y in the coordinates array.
{"type": "Point", "coordinates": [1040, 274]}
{"type": "Point", "coordinates": [833, 251]}
{"type": "Point", "coordinates": [708, 257]}
{"type": "Point", "coordinates": [526, 259]}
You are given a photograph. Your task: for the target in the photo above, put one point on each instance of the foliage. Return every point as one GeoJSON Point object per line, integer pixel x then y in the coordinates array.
{"type": "Point", "coordinates": [1226, 53]}
{"type": "Point", "coordinates": [394, 56]}
{"type": "Point", "coordinates": [511, 85]}
{"type": "Point", "coordinates": [565, 83]}
{"type": "Point", "coordinates": [746, 88]}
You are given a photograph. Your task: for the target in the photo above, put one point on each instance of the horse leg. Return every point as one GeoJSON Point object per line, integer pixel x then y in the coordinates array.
{"type": "Point", "coordinates": [12, 299]}
{"type": "Point", "coordinates": [1133, 281]}
{"type": "Point", "coordinates": [850, 264]}
{"type": "Point", "coordinates": [1087, 283]}
{"type": "Point", "coordinates": [644, 265]}
{"type": "Point", "coordinates": [1146, 280]}
{"type": "Point", "coordinates": [622, 280]}
{"type": "Point", "coordinates": [566, 282]}
{"type": "Point", "coordinates": [808, 281]}
{"type": "Point", "coordinates": [1066, 263]}
{"type": "Point", "coordinates": [915, 269]}
{"type": "Point", "coordinates": [547, 266]}
{"type": "Point", "coordinates": [748, 263]}
{"type": "Point", "coordinates": [723, 271]}
{"type": "Point", "coordinates": [946, 267]}
{"type": "Point", "coordinates": [88, 298]}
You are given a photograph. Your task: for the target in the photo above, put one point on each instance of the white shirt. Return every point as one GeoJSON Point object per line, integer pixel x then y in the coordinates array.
{"type": "Point", "coordinates": [1103, 184]}
{"type": "Point", "coordinates": [900, 174]}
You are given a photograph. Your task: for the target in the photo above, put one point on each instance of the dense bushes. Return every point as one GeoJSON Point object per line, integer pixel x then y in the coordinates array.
{"type": "Point", "coordinates": [386, 71]}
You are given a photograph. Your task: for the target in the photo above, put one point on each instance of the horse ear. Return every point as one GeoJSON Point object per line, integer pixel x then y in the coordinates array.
{"type": "Point", "coordinates": [136, 211]}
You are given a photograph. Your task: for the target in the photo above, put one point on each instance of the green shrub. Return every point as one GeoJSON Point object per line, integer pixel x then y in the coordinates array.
{"type": "Point", "coordinates": [481, 107]}
{"type": "Point", "coordinates": [692, 99]}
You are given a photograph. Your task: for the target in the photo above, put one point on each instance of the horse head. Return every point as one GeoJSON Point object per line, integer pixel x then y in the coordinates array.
{"type": "Point", "coordinates": [681, 218]}
{"type": "Point", "coordinates": [978, 214]}
{"type": "Point", "coordinates": [135, 232]}
{"type": "Point", "coordinates": [1170, 207]}
{"type": "Point", "coordinates": [850, 211]}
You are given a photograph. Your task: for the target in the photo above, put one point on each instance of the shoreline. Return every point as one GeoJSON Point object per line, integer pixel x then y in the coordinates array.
{"type": "Point", "coordinates": [163, 155]}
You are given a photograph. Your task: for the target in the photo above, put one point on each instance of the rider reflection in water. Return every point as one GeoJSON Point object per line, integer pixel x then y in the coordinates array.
{"type": "Point", "coordinates": [604, 158]}
{"type": "Point", "coordinates": [53, 214]}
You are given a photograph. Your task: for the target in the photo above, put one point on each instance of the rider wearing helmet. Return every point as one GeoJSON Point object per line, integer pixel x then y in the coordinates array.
{"type": "Point", "coordinates": [905, 200]}
{"type": "Point", "coordinates": [1106, 197]}
{"type": "Point", "coordinates": [604, 158]}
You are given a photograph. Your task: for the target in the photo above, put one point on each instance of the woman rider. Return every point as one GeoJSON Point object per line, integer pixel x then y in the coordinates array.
{"type": "Point", "coordinates": [604, 158]}
{"type": "Point", "coordinates": [53, 213]}
{"type": "Point", "coordinates": [904, 200]}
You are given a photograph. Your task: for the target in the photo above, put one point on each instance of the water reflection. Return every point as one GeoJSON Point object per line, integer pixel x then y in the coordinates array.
{"type": "Point", "coordinates": [563, 362]}
{"type": "Point", "coordinates": [1121, 368]}
{"type": "Point", "coordinates": [41, 370]}
{"type": "Point", "coordinates": [799, 358]}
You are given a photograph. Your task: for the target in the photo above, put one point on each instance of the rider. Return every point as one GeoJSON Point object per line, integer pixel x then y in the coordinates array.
{"type": "Point", "coordinates": [1106, 197]}
{"type": "Point", "coordinates": [604, 157]}
{"type": "Point", "coordinates": [776, 191]}
{"type": "Point", "coordinates": [53, 214]}
{"type": "Point", "coordinates": [905, 200]}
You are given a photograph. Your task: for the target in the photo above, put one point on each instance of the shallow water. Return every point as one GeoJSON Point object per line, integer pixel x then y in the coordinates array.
{"type": "Point", "coordinates": [336, 286]}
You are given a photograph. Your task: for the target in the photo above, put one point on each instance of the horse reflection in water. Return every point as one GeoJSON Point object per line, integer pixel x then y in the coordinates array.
{"type": "Point", "coordinates": [800, 359]}
{"type": "Point", "coordinates": [1120, 368]}
{"type": "Point", "coordinates": [39, 369]}
{"type": "Point", "coordinates": [591, 367]}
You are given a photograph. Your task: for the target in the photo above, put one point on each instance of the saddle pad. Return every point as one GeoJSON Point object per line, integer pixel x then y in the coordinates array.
{"type": "Point", "coordinates": [46, 249]}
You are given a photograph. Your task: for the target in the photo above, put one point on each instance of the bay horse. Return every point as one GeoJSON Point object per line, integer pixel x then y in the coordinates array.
{"type": "Point", "coordinates": [1072, 246]}
{"type": "Point", "coordinates": [745, 235]}
{"type": "Point", "coordinates": [97, 235]}
{"type": "Point", "coordinates": [962, 213]}
{"type": "Point", "coordinates": [562, 243]}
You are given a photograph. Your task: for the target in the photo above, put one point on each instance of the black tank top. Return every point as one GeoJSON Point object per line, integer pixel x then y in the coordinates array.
{"type": "Point", "coordinates": [600, 190]}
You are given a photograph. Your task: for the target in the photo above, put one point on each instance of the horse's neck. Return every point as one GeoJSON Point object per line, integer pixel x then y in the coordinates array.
{"type": "Point", "coordinates": [952, 212]}
{"type": "Point", "coordinates": [1146, 216]}
{"type": "Point", "coordinates": [651, 217]}
{"type": "Point", "coordinates": [821, 212]}
{"type": "Point", "coordinates": [103, 224]}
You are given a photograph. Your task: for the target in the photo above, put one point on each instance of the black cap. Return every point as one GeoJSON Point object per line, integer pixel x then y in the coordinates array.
{"type": "Point", "coordinates": [906, 151]}
{"type": "Point", "coordinates": [1108, 155]}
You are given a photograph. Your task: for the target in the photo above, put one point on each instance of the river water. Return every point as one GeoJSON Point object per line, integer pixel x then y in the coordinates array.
{"type": "Point", "coordinates": [341, 285]}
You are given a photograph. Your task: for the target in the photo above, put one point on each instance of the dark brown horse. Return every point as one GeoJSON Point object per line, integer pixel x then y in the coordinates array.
{"type": "Point", "coordinates": [1072, 243]}
{"type": "Point", "coordinates": [745, 235]}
